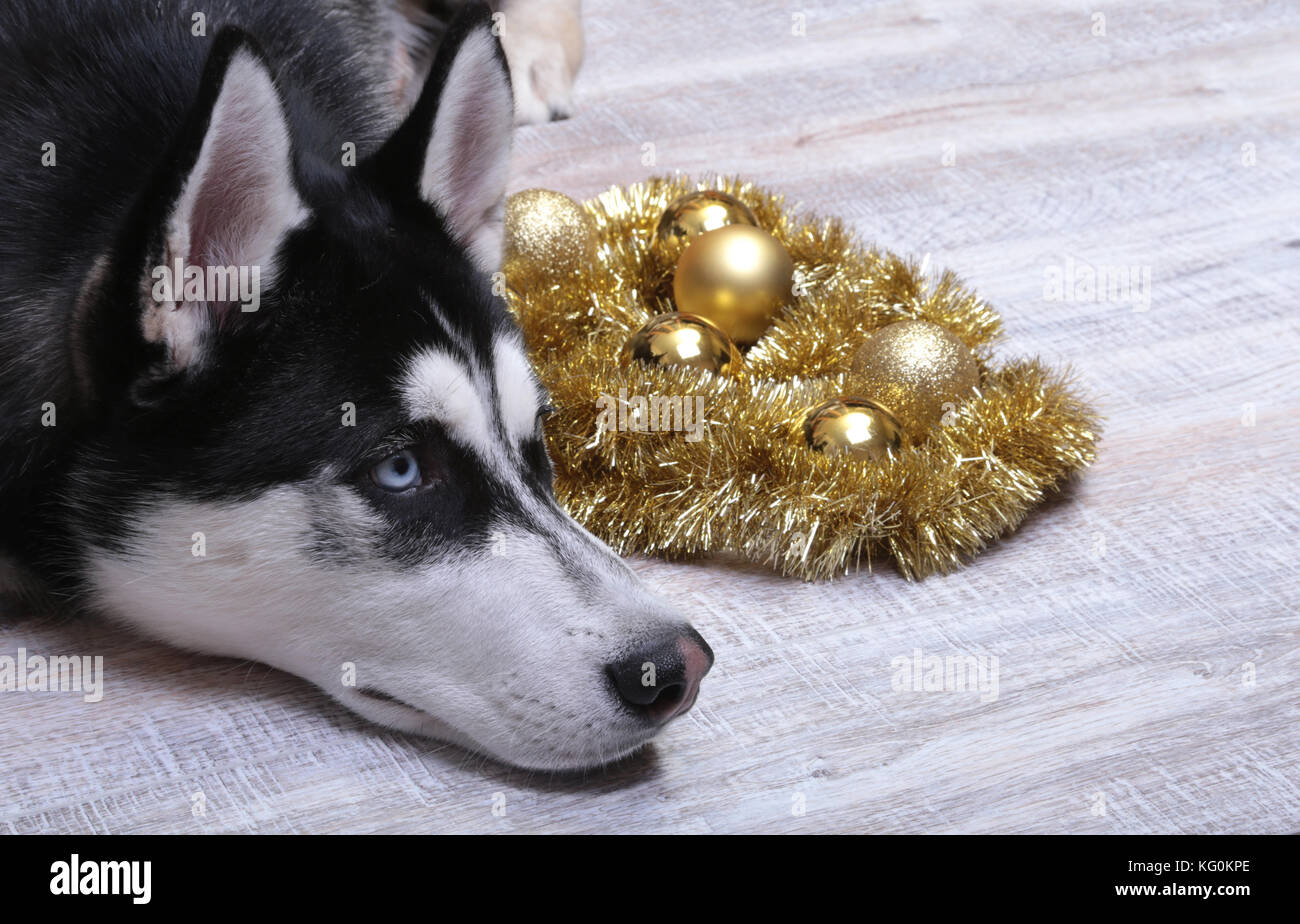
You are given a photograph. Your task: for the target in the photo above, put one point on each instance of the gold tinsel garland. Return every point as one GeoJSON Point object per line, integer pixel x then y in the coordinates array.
{"type": "Point", "coordinates": [747, 486]}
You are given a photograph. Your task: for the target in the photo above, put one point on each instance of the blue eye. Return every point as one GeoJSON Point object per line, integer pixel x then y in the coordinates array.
{"type": "Point", "coordinates": [397, 473]}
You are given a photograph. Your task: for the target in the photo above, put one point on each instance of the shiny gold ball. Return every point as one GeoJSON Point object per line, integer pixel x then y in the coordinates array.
{"type": "Point", "coordinates": [696, 212]}
{"type": "Point", "coordinates": [547, 232]}
{"type": "Point", "coordinates": [916, 369]}
{"type": "Point", "coordinates": [739, 277]}
{"type": "Point", "coordinates": [849, 425]}
{"type": "Point", "coordinates": [683, 340]}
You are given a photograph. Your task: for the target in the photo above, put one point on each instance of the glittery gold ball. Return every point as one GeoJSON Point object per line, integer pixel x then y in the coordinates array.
{"type": "Point", "coordinates": [547, 232]}
{"type": "Point", "coordinates": [854, 426]}
{"type": "Point", "coordinates": [683, 340]}
{"type": "Point", "coordinates": [739, 277]}
{"type": "Point", "coordinates": [697, 212]}
{"type": "Point", "coordinates": [915, 368]}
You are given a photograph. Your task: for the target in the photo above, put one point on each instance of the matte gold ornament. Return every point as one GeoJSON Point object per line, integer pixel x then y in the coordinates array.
{"type": "Point", "coordinates": [739, 277]}
{"type": "Point", "coordinates": [916, 369]}
{"type": "Point", "coordinates": [696, 212]}
{"type": "Point", "coordinates": [853, 426]}
{"type": "Point", "coordinates": [547, 232]}
{"type": "Point", "coordinates": [683, 340]}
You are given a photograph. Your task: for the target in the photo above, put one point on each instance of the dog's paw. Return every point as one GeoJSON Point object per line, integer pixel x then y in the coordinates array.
{"type": "Point", "coordinates": [542, 85]}
{"type": "Point", "coordinates": [542, 40]}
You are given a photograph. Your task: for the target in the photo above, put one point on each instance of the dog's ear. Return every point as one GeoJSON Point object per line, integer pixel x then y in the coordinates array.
{"type": "Point", "coordinates": [453, 149]}
{"type": "Point", "coordinates": [231, 200]}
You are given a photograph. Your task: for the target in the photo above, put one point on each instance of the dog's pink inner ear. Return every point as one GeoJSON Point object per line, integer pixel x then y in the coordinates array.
{"type": "Point", "coordinates": [465, 165]}
{"type": "Point", "coordinates": [235, 207]}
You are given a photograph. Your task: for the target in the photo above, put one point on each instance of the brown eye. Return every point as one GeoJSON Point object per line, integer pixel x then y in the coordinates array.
{"type": "Point", "coordinates": [397, 473]}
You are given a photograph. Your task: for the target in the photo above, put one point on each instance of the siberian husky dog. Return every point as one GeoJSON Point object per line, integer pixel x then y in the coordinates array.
{"type": "Point", "coordinates": [257, 398]}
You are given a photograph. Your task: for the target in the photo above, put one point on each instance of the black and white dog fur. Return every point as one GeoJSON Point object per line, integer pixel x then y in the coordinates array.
{"type": "Point", "coordinates": [351, 479]}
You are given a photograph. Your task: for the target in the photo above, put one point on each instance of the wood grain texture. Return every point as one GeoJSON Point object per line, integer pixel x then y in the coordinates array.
{"type": "Point", "coordinates": [1127, 616]}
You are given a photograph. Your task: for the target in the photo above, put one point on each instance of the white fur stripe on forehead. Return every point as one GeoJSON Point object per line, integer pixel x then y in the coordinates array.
{"type": "Point", "coordinates": [517, 387]}
{"type": "Point", "coordinates": [437, 386]}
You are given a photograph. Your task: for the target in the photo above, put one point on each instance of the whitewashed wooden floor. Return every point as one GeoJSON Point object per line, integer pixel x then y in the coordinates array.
{"type": "Point", "coordinates": [1128, 616]}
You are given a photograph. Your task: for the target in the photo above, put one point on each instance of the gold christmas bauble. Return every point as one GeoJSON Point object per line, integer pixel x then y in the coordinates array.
{"type": "Point", "coordinates": [739, 277]}
{"type": "Point", "coordinates": [916, 369]}
{"type": "Point", "coordinates": [683, 340]}
{"type": "Point", "coordinates": [854, 426]}
{"type": "Point", "coordinates": [547, 232]}
{"type": "Point", "coordinates": [697, 212]}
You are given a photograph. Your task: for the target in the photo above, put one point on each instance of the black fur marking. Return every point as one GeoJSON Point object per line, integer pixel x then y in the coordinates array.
{"type": "Point", "coordinates": [125, 91]}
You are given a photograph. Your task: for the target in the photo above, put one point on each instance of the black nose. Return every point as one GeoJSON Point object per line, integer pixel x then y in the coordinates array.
{"type": "Point", "coordinates": [662, 677]}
